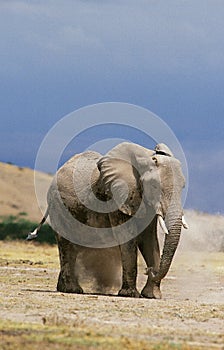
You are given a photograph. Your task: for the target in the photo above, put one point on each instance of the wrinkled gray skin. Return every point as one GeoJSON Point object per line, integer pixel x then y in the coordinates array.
{"type": "Point", "coordinates": [159, 175]}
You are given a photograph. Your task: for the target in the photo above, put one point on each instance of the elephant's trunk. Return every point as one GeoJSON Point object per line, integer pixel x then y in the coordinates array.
{"type": "Point", "coordinates": [170, 246]}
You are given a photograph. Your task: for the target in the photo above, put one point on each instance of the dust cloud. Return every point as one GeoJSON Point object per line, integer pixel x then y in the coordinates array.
{"type": "Point", "coordinates": [100, 270]}
{"type": "Point", "coordinates": [205, 233]}
{"type": "Point", "coordinates": [198, 262]}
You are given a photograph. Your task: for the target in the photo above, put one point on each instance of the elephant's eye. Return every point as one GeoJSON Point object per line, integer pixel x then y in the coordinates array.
{"type": "Point", "coordinates": [155, 160]}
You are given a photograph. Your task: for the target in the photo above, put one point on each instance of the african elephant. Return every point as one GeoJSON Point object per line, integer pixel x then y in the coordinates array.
{"type": "Point", "coordinates": [119, 199]}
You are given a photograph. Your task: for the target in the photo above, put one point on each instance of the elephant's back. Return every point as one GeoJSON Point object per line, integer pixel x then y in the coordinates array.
{"type": "Point", "coordinates": [74, 189]}
{"type": "Point", "coordinates": [74, 179]}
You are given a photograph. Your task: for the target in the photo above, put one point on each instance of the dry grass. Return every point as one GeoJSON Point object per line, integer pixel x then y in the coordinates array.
{"type": "Point", "coordinates": [16, 253]}
{"type": "Point", "coordinates": [34, 315]}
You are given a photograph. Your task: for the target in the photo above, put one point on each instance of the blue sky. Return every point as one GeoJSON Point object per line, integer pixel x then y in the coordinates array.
{"type": "Point", "coordinates": [167, 56]}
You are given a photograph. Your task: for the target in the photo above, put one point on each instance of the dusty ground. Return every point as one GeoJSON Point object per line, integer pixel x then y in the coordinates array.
{"type": "Point", "coordinates": [34, 315]}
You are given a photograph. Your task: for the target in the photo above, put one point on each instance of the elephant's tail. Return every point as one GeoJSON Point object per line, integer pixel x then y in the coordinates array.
{"type": "Point", "coordinates": [34, 234]}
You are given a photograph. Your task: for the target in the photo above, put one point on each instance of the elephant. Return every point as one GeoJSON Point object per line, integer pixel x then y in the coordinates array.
{"type": "Point", "coordinates": [117, 200]}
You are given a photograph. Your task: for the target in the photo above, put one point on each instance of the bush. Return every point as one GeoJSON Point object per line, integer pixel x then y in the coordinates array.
{"type": "Point", "coordinates": [17, 228]}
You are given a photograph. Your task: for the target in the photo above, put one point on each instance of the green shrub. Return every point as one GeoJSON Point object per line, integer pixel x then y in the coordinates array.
{"type": "Point", "coordinates": [17, 228]}
{"type": "Point", "coordinates": [23, 213]}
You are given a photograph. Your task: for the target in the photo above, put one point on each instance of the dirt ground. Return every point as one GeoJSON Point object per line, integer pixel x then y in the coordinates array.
{"type": "Point", "coordinates": [34, 315]}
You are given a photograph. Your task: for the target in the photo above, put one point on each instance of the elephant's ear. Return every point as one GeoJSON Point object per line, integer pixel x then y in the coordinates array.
{"type": "Point", "coordinates": [121, 181]}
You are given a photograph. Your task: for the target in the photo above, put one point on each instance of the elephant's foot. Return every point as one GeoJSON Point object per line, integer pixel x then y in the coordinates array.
{"type": "Point", "coordinates": [151, 292]}
{"type": "Point", "coordinates": [68, 287]}
{"type": "Point", "coordinates": [64, 289]}
{"type": "Point", "coordinates": [129, 292]}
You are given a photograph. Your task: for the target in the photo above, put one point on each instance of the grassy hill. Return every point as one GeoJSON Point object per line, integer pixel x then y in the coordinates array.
{"type": "Point", "coordinates": [17, 192]}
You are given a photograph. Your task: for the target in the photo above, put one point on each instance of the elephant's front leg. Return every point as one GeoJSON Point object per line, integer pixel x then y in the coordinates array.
{"type": "Point", "coordinates": [129, 264]}
{"type": "Point", "coordinates": [128, 254]}
{"type": "Point", "coordinates": [149, 247]}
{"type": "Point", "coordinates": [67, 279]}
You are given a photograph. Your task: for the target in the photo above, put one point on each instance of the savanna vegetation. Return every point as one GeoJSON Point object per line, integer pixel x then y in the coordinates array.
{"type": "Point", "coordinates": [17, 227]}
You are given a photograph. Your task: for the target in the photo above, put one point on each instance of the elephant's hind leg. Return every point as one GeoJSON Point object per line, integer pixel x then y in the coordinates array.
{"type": "Point", "coordinates": [67, 279]}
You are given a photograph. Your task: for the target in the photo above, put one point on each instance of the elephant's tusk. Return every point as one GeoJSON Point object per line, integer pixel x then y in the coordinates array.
{"type": "Point", "coordinates": [184, 223]}
{"type": "Point", "coordinates": [163, 225]}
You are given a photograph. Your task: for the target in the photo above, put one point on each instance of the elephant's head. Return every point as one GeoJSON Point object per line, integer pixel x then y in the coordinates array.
{"type": "Point", "coordinates": [138, 177]}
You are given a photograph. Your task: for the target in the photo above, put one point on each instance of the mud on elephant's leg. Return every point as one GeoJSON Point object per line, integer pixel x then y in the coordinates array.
{"type": "Point", "coordinates": [149, 247]}
{"type": "Point", "coordinates": [129, 264]}
{"type": "Point", "coordinates": [67, 279]}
